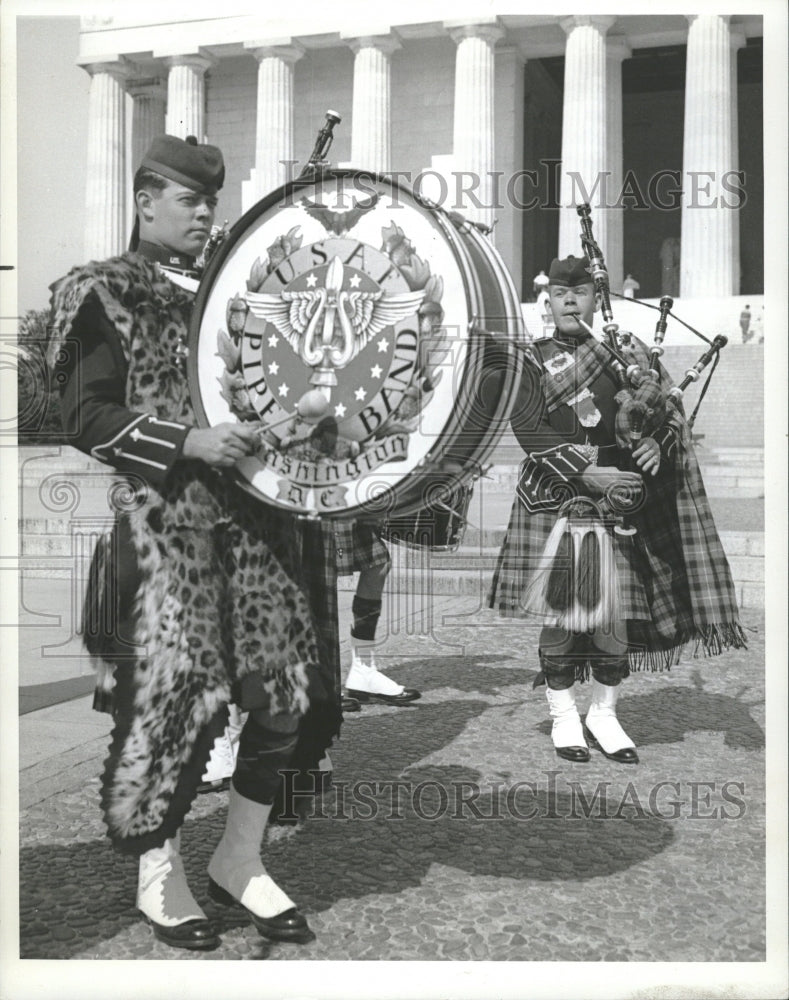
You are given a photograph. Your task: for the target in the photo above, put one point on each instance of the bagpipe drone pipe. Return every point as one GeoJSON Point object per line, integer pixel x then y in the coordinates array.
{"type": "Point", "coordinates": [645, 398]}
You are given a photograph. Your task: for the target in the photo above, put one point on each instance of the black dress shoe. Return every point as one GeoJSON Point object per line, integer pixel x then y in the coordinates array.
{"type": "Point", "coordinates": [220, 785]}
{"type": "Point", "coordinates": [198, 934]}
{"type": "Point", "coordinates": [290, 925]}
{"type": "Point", "coordinates": [350, 705]}
{"type": "Point", "coordinates": [578, 754]}
{"type": "Point", "coordinates": [627, 755]}
{"type": "Point", "coordinates": [406, 696]}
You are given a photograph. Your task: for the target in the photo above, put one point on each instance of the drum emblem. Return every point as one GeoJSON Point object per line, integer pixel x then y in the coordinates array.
{"type": "Point", "coordinates": [367, 335]}
{"type": "Point", "coordinates": [345, 321]}
{"type": "Point", "coordinates": [335, 347]}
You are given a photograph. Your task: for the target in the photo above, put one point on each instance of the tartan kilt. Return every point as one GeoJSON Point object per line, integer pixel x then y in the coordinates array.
{"type": "Point", "coordinates": [521, 556]}
{"type": "Point", "coordinates": [653, 592]}
{"type": "Point", "coordinates": [357, 545]}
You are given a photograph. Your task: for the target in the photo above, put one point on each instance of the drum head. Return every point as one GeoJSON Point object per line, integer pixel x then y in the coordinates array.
{"type": "Point", "coordinates": [337, 316]}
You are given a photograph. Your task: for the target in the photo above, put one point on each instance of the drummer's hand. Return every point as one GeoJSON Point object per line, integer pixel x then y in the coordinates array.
{"type": "Point", "coordinates": [222, 445]}
{"type": "Point", "coordinates": [647, 455]}
{"type": "Point", "coordinates": [599, 479]}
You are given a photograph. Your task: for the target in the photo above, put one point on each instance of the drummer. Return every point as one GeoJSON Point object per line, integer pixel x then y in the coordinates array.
{"type": "Point", "coordinates": [360, 548]}
{"type": "Point", "coordinates": [191, 550]}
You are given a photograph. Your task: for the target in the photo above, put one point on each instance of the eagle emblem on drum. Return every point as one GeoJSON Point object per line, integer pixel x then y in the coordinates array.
{"type": "Point", "coordinates": [348, 324]}
{"type": "Point", "coordinates": [328, 326]}
{"type": "Point", "coordinates": [336, 348]}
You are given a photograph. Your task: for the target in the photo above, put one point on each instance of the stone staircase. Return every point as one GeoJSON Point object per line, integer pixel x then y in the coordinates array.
{"type": "Point", "coordinates": [64, 507]}
{"type": "Point", "coordinates": [727, 472]}
{"type": "Point", "coordinates": [732, 472]}
{"type": "Point", "coordinates": [469, 569]}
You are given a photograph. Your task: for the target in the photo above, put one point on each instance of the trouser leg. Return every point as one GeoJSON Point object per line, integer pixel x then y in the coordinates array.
{"type": "Point", "coordinates": [563, 657]}
{"type": "Point", "coordinates": [365, 681]}
{"type": "Point", "coordinates": [610, 670]}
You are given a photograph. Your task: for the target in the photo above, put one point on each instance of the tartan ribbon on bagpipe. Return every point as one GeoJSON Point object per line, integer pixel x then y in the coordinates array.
{"type": "Point", "coordinates": [588, 359]}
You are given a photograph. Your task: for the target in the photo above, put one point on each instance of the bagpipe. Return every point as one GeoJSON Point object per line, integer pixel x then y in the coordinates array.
{"type": "Point", "coordinates": [644, 401]}
{"type": "Point", "coordinates": [575, 581]}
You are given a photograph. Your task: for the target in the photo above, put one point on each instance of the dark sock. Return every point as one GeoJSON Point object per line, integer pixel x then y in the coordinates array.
{"type": "Point", "coordinates": [610, 670]}
{"type": "Point", "coordinates": [365, 617]}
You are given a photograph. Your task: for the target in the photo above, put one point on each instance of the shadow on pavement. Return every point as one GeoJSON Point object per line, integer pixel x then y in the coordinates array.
{"type": "Point", "coordinates": [465, 673]}
{"type": "Point", "coordinates": [668, 715]}
{"type": "Point", "coordinates": [539, 836]}
{"type": "Point", "coordinates": [77, 895]}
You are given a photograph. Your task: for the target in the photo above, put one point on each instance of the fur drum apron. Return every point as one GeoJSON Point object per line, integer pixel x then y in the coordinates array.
{"type": "Point", "coordinates": [202, 584]}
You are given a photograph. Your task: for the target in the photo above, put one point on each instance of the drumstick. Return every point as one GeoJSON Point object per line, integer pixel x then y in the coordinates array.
{"type": "Point", "coordinates": [313, 404]}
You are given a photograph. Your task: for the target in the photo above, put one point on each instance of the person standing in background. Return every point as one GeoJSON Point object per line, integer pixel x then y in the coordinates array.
{"type": "Point", "coordinates": [630, 286]}
{"type": "Point", "coordinates": [745, 324]}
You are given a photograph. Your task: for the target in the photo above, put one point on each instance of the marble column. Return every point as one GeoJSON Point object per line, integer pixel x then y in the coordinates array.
{"type": "Point", "coordinates": [708, 220]}
{"type": "Point", "coordinates": [585, 145]}
{"type": "Point", "coordinates": [737, 42]}
{"type": "Point", "coordinates": [509, 157]}
{"type": "Point", "coordinates": [274, 116]}
{"type": "Point", "coordinates": [148, 119]}
{"type": "Point", "coordinates": [371, 111]}
{"type": "Point", "coordinates": [473, 132]}
{"type": "Point", "coordinates": [105, 193]}
{"type": "Point", "coordinates": [186, 95]}
{"type": "Point", "coordinates": [617, 50]}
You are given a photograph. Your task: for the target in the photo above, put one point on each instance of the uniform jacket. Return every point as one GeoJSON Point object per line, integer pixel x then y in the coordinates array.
{"type": "Point", "coordinates": [204, 582]}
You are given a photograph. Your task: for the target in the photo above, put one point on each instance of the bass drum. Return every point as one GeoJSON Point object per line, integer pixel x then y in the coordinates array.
{"type": "Point", "coordinates": [375, 339]}
{"type": "Point", "coordinates": [439, 524]}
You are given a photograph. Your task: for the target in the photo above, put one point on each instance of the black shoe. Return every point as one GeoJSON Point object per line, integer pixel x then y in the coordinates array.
{"type": "Point", "coordinates": [627, 755]}
{"type": "Point", "coordinates": [578, 754]}
{"type": "Point", "coordinates": [350, 705]}
{"type": "Point", "coordinates": [406, 696]}
{"type": "Point", "coordinates": [220, 785]}
{"type": "Point", "coordinates": [198, 934]}
{"type": "Point", "coordinates": [289, 925]}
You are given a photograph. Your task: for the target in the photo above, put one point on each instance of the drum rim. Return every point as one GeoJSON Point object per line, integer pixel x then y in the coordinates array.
{"type": "Point", "coordinates": [466, 488]}
{"type": "Point", "coordinates": [453, 236]}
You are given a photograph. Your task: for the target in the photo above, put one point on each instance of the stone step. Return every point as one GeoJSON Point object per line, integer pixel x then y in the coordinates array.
{"type": "Point", "coordinates": [720, 484]}
{"type": "Point", "coordinates": [749, 464]}
{"type": "Point", "coordinates": [42, 460]}
{"type": "Point", "coordinates": [748, 568]}
{"type": "Point", "coordinates": [508, 441]}
{"type": "Point", "coordinates": [726, 472]}
{"type": "Point", "coordinates": [44, 535]}
{"type": "Point", "coordinates": [722, 454]}
{"type": "Point", "coordinates": [735, 543]}
{"type": "Point", "coordinates": [718, 481]}
{"type": "Point", "coordinates": [445, 582]}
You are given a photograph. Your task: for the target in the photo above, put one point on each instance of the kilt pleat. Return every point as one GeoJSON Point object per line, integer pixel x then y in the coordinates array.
{"type": "Point", "coordinates": [357, 546]}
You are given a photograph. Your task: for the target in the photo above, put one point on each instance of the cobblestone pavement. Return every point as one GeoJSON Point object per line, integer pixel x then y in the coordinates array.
{"type": "Point", "coordinates": [455, 832]}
